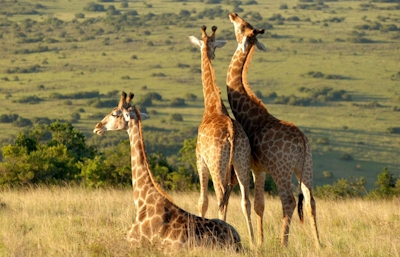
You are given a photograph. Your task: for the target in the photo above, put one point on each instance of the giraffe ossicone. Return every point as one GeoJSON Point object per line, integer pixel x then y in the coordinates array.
{"type": "Point", "coordinates": [223, 149]}
{"type": "Point", "coordinates": [278, 147]}
{"type": "Point", "coordinates": [159, 221]}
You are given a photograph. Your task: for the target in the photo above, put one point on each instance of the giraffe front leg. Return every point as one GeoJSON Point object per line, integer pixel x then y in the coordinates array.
{"type": "Point", "coordinates": [203, 177]}
{"type": "Point", "coordinates": [133, 235]}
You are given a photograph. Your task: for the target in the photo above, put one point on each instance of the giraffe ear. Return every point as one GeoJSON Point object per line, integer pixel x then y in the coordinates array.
{"type": "Point", "coordinates": [219, 43]}
{"type": "Point", "coordinates": [195, 41]}
{"type": "Point", "coordinates": [261, 46]}
{"type": "Point", "coordinates": [144, 116]}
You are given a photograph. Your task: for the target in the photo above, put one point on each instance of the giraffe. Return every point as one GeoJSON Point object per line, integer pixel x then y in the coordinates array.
{"type": "Point", "coordinates": [158, 220]}
{"type": "Point", "coordinates": [278, 146]}
{"type": "Point", "coordinates": [221, 142]}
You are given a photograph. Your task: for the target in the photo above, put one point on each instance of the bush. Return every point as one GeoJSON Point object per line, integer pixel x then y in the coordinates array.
{"type": "Point", "coordinates": [176, 117]}
{"type": "Point", "coordinates": [176, 102]}
{"type": "Point", "coordinates": [79, 15]}
{"type": "Point", "coordinates": [387, 186]}
{"type": "Point", "coordinates": [30, 69]}
{"type": "Point", "coordinates": [346, 157]}
{"type": "Point", "coordinates": [190, 97]}
{"type": "Point", "coordinates": [22, 122]}
{"type": "Point", "coordinates": [323, 141]}
{"type": "Point", "coordinates": [394, 130]}
{"type": "Point", "coordinates": [4, 118]}
{"type": "Point", "coordinates": [342, 189]}
{"type": "Point", "coordinates": [75, 117]}
{"type": "Point", "coordinates": [327, 174]}
{"type": "Point", "coordinates": [93, 7]}
{"type": "Point", "coordinates": [29, 100]}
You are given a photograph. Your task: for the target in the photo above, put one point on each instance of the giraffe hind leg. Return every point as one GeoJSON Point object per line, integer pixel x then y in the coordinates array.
{"type": "Point", "coordinates": [243, 178]}
{"type": "Point", "coordinates": [203, 177]}
{"type": "Point", "coordinates": [311, 210]}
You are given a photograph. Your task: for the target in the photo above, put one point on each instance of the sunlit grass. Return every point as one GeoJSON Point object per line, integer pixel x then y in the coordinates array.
{"type": "Point", "coordinates": [73, 221]}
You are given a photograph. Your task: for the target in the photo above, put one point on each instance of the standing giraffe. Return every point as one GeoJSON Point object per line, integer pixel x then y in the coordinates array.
{"type": "Point", "coordinates": [278, 147]}
{"type": "Point", "coordinates": [222, 142]}
{"type": "Point", "coordinates": [158, 219]}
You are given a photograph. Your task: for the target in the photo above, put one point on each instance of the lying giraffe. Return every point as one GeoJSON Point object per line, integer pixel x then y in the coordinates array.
{"type": "Point", "coordinates": [221, 142]}
{"type": "Point", "coordinates": [158, 219]}
{"type": "Point", "coordinates": [278, 147]}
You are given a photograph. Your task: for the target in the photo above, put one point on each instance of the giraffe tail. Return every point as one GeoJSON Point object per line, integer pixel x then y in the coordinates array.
{"type": "Point", "coordinates": [230, 174]}
{"type": "Point", "coordinates": [229, 187]}
{"type": "Point", "coordinates": [300, 207]}
{"type": "Point", "coordinates": [301, 195]}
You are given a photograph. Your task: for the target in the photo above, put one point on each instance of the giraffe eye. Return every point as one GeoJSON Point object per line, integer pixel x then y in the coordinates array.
{"type": "Point", "coordinates": [115, 114]}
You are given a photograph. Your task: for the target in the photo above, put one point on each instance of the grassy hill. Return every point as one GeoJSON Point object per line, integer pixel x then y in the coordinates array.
{"type": "Point", "coordinates": [332, 68]}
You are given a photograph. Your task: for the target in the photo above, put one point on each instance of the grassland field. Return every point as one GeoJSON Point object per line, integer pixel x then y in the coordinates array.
{"type": "Point", "coordinates": [73, 221]}
{"type": "Point", "coordinates": [96, 56]}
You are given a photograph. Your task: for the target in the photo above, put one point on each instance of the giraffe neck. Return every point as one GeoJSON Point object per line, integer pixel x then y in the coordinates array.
{"type": "Point", "coordinates": [143, 181]}
{"type": "Point", "coordinates": [248, 110]}
{"type": "Point", "coordinates": [212, 95]}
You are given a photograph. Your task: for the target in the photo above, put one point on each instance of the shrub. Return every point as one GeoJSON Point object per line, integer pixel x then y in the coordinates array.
{"type": "Point", "coordinates": [4, 118]}
{"type": "Point", "coordinates": [30, 69]}
{"type": "Point", "coordinates": [29, 100]}
{"type": "Point", "coordinates": [67, 102]}
{"type": "Point", "coordinates": [323, 141]}
{"type": "Point", "coordinates": [154, 96]}
{"type": "Point", "coordinates": [190, 97]}
{"type": "Point", "coordinates": [45, 154]}
{"type": "Point", "coordinates": [79, 15]}
{"type": "Point", "coordinates": [145, 101]}
{"type": "Point", "coordinates": [387, 186]}
{"type": "Point", "coordinates": [342, 189]}
{"type": "Point", "coordinates": [176, 117]}
{"type": "Point", "coordinates": [75, 117]}
{"type": "Point", "coordinates": [176, 101]}
{"type": "Point", "coordinates": [22, 122]}
{"type": "Point", "coordinates": [394, 130]}
{"type": "Point", "coordinates": [270, 95]}
{"type": "Point", "coordinates": [41, 120]}
{"type": "Point", "coordinates": [283, 7]}
{"type": "Point", "coordinates": [327, 174]}
{"type": "Point", "coordinates": [346, 157]}
{"type": "Point", "coordinates": [93, 7]}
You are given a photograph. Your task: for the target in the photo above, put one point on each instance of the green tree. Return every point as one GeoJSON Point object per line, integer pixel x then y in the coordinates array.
{"type": "Point", "coordinates": [110, 169]}
{"type": "Point", "coordinates": [74, 140]}
{"type": "Point", "coordinates": [342, 189]}
{"type": "Point", "coordinates": [387, 185]}
{"type": "Point", "coordinates": [45, 154]}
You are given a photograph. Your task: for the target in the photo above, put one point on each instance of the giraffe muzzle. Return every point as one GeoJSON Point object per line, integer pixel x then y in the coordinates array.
{"type": "Point", "coordinates": [99, 129]}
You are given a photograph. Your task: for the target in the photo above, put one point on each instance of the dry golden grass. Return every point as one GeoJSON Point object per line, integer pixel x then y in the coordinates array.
{"type": "Point", "coordinates": [72, 221]}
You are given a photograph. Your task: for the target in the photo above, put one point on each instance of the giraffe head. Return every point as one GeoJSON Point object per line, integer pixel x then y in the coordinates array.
{"type": "Point", "coordinates": [245, 33]}
{"type": "Point", "coordinates": [208, 41]}
{"type": "Point", "coordinates": [119, 117]}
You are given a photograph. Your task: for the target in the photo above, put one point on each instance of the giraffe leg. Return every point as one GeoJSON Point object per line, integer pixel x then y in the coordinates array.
{"type": "Point", "coordinates": [305, 176]}
{"type": "Point", "coordinates": [221, 172]}
{"type": "Point", "coordinates": [288, 206]}
{"type": "Point", "coordinates": [203, 177]}
{"type": "Point", "coordinates": [243, 178]}
{"type": "Point", "coordinates": [259, 203]}
{"type": "Point", "coordinates": [312, 210]}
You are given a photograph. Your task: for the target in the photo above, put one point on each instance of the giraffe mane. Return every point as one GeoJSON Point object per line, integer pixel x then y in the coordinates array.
{"type": "Point", "coordinates": [156, 185]}
{"type": "Point", "coordinates": [245, 83]}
